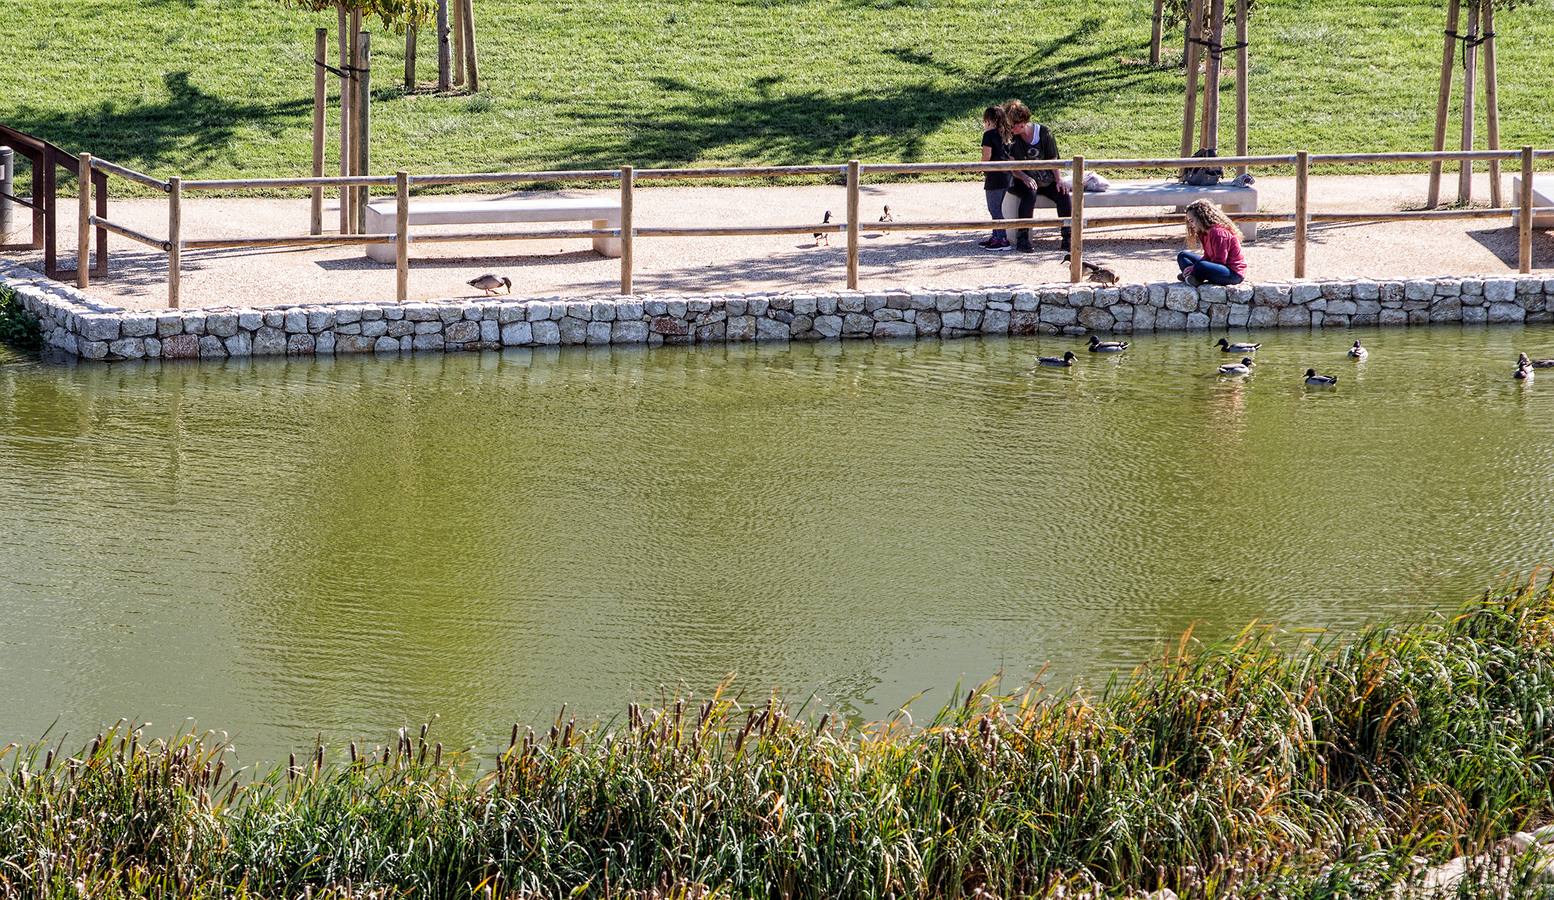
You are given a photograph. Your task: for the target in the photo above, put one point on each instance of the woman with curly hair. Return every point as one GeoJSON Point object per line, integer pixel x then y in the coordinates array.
{"type": "Point", "coordinates": [1221, 261]}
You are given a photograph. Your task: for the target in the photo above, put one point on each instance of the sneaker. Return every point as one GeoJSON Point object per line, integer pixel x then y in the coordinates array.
{"type": "Point", "coordinates": [997, 246]}
{"type": "Point", "coordinates": [987, 243]}
{"type": "Point", "coordinates": [1192, 280]}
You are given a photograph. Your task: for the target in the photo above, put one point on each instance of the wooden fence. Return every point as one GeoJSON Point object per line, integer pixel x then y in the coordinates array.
{"type": "Point", "coordinates": [852, 173]}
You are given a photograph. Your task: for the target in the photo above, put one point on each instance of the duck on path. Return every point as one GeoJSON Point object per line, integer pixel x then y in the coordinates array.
{"type": "Point", "coordinates": [1315, 380]}
{"type": "Point", "coordinates": [1099, 346]}
{"type": "Point", "coordinates": [1358, 352]}
{"type": "Point", "coordinates": [824, 237]}
{"type": "Point", "coordinates": [1226, 346]}
{"type": "Point", "coordinates": [1244, 367]}
{"type": "Point", "coordinates": [489, 283]}
{"type": "Point", "coordinates": [1057, 362]}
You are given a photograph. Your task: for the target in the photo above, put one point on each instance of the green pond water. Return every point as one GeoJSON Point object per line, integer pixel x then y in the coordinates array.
{"type": "Point", "coordinates": [337, 547]}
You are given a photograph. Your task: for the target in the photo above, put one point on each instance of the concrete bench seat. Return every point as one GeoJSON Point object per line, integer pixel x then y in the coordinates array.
{"type": "Point", "coordinates": [1542, 195]}
{"type": "Point", "coordinates": [1173, 194]}
{"type": "Point", "coordinates": [603, 212]}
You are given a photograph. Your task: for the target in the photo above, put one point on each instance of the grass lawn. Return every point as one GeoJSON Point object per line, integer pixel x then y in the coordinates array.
{"type": "Point", "coordinates": [218, 88]}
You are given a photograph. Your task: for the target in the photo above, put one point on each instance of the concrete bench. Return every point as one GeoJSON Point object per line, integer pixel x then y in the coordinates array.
{"type": "Point", "coordinates": [1542, 195]}
{"type": "Point", "coordinates": [603, 212]}
{"type": "Point", "coordinates": [1160, 193]}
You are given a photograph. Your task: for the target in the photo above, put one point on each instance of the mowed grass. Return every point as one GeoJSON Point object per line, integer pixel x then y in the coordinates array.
{"type": "Point", "coordinates": [220, 88]}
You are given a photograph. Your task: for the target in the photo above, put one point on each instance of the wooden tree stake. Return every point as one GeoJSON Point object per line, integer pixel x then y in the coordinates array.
{"type": "Point", "coordinates": [1243, 72]}
{"type": "Point", "coordinates": [469, 46]}
{"type": "Point", "coordinates": [444, 51]}
{"type": "Point", "coordinates": [1156, 26]}
{"type": "Point", "coordinates": [1469, 96]}
{"type": "Point", "coordinates": [1194, 18]}
{"type": "Point", "coordinates": [1443, 99]}
{"type": "Point", "coordinates": [1492, 101]}
{"type": "Point", "coordinates": [320, 101]}
{"type": "Point", "coordinates": [458, 43]}
{"type": "Point", "coordinates": [410, 37]}
{"type": "Point", "coordinates": [347, 221]}
{"type": "Point", "coordinates": [364, 125]}
{"type": "Point", "coordinates": [1210, 136]}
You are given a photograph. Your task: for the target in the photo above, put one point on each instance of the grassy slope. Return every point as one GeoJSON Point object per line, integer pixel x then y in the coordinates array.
{"type": "Point", "coordinates": [219, 87]}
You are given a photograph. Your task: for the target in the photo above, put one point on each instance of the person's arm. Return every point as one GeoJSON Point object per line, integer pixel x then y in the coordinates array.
{"type": "Point", "coordinates": [987, 153]}
{"type": "Point", "coordinates": [1049, 150]}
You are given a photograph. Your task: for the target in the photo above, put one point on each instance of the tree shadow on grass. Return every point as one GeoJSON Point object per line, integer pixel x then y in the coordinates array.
{"type": "Point", "coordinates": [190, 125]}
{"type": "Point", "coordinates": [685, 121]}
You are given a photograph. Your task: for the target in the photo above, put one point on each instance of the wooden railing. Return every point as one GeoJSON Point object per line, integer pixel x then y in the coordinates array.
{"type": "Point", "coordinates": [853, 173]}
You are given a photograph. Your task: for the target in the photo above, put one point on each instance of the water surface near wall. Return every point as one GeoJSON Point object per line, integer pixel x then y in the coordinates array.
{"type": "Point", "coordinates": [291, 547]}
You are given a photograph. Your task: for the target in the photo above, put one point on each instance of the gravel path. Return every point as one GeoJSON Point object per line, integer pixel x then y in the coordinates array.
{"type": "Point", "coordinates": [708, 265]}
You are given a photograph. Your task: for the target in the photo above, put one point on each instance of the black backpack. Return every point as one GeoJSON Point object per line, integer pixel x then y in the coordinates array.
{"type": "Point", "coordinates": [1203, 176]}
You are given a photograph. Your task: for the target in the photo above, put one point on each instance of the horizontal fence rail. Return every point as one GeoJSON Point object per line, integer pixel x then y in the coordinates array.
{"type": "Point", "coordinates": [851, 174]}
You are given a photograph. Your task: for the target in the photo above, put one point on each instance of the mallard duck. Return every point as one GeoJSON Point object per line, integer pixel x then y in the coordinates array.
{"type": "Point", "coordinates": [489, 283]}
{"type": "Point", "coordinates": [1523, 373]}
{"type": "Point", "coordinates": [1227, 347]}
{"type": "Point", "coordinates": [1522, 360]}
{"type": "Point", "coordinates": [1099, 346]}
{"type": "Point", "coordinates": [1058, 362]}
{"type": "Point", "coordinates": [1315, 380]}
{"type": "Point", "coordinates": [824, 237]}
{"type": "Point", "coordinates": [886, 216]}
{"type": "Point", "coordinates": [1358, 352]}
{"type": "Point", "coordinates": [1244, 367]}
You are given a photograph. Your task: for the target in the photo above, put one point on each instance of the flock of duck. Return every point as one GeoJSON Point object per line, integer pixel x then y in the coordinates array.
{"type": "Point", "coordinates": [1524, 365]}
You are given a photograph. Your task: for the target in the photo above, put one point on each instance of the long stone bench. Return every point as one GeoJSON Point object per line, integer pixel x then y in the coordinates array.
{"type": "Point", "coordinates": [603, 212]}
{"type": "Point", "coordinates": [1173, 194]}
{"type": "Point", "coordinates": [1542, 195]}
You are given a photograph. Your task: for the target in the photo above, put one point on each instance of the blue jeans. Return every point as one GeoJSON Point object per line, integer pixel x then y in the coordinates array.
{"type": "Point", "coordinates": [995, 208]}
{"type": "Point", "coordinates": [1210, 272]}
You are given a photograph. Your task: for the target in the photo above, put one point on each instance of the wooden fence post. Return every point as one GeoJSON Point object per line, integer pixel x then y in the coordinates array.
{"type": "Point", "coordinates": [100, 200]}
{"type": "Point", "coordinates": [1469, 96]}
{"type": "Point", "coordinates": [628, 229]}
{"type": "Point", "coordinates": [364, 126]}
{"type": "Point", "coordinates": [470, 57]}
{"type": "Point", "coordinates": [320, 99]}
{"type": "Point", "coordinates": [1443, 100]}
{"type": "Point", "coordinates": [346, 81]}
{"type": "Point", "coordinates": [39, 195]}
{"type": "Point", "coordinates": [1154, 34]}
{"type": "Point", "coordinates": [402, 236]}
{"type": "Point", "coordinates": [1302, 209]}
{"type": "Point", "coordinates": [1076, 241]}
{"type": "Point", "coordinates": [7, 189]}
{"type": "Point", "coordinates": [84, 220]}
{"type": "Point", "coordinates": [1524, 254]}
{"type": "Point", "coordinates": [174, 239]}
{"type": "Point", "coordinates": [853, 172]}
{"type": "Point", "coordinates": [1492, 103]}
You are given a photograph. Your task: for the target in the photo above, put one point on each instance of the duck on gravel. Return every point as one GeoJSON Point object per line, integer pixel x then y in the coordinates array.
{"type": "Point", "coordinates": [1244, 367]}
{"type": "Point", "coordinates": [1058, 362]}
{"type": "Point", "coordinates": [1358, 352]}
{"type": "Point", "coordinates": [1315, 380]}
{"type": "Point", "coordinates": [1227, 347]}
{"type": "Point", "coordinates": [489, 283]}
{"type": "Point", "coordinates": [1099, 346]}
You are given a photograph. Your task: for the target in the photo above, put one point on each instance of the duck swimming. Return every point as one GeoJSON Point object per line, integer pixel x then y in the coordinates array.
{"type": "Point", "coordinates": [1244, 367]}
{"type": "Point", "coordinates": [1358, 352]}
{"type": "Point", "coordinates": [1522, 360]}
{"type": "Point", "coordinates": [1523, 373]}
{"type": "Point", "coordinates": [1058, 362]}
{"type": "Point", "coordinates": [1227, 347]}
{"type": "Point", "coordinates": [1315, 380]}
{"type": "Point", "coordinates": [1099, 346]}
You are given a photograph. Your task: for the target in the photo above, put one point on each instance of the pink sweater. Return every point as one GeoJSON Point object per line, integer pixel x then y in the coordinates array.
{"type": "Point", "coordinates": [1223, 245]}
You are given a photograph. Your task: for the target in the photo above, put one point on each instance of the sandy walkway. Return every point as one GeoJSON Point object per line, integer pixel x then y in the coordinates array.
{"type": "Point", "coordinates": [706, 265]}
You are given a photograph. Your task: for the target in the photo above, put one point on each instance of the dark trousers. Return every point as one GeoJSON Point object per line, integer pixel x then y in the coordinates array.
{"type": "Point", "coordinates": [1211, 272]}
{"type": "Point", "coordinates": [995, 208]}
{"type": "Point", "coordinates": [1062, 201]}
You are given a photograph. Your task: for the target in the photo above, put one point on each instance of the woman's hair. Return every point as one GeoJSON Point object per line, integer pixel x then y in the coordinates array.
{"type": "Point", "coordinates": [1016, 113]}
{"type": "Point", "coordinates": [1206, 215]}
{"type": "Point", "coordinates": [995, 115]}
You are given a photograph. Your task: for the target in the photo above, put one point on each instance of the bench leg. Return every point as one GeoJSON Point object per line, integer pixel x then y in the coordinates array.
{"type": "Point", "coordinates": [607, 246]}
{"type": "Point", "coordinates": [378, 223]}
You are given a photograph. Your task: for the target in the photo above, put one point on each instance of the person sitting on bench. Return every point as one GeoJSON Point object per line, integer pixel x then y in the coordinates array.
{"type": "Point", "coordinates": [1221, 261]}
{"type": "Point", "coordinates": [1032, 141]}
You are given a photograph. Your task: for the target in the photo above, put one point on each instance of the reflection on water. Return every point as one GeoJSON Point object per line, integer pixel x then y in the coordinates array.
{"type": "Point", "coordinates": [286, 548]}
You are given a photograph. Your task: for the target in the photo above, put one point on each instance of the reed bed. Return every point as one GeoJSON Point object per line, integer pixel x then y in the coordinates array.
{"type": "Point", "coordinates": [1241, 768]}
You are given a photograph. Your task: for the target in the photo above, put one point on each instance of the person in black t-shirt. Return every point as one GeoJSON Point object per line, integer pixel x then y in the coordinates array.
{"type": "Point", "coordinates": [995, 148]}
{"type": "Point", "coordinates": [1031, 141]}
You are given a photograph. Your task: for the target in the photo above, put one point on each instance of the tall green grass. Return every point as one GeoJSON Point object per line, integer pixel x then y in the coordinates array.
{"type": "Point", "coordinates": [1245, 768]}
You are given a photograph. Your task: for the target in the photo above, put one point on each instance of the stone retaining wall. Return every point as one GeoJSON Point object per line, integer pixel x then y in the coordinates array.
{"type": "Point", "coordinates": [82, 326]}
